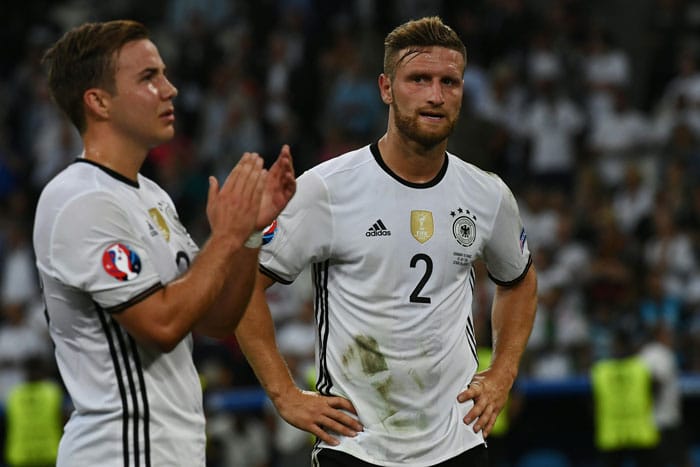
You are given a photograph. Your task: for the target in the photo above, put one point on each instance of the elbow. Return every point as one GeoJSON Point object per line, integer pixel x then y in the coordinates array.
{"type": "Point", "coordinates": [167, 346]}
{"type": "Point", "coordinates": [166, 339]}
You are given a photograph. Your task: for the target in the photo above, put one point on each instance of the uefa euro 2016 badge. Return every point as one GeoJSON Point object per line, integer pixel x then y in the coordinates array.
{"type": "Point", "coordinates": [121, 262]}
{"type": "Point", "coordinates": [464, 227]}
{"type": "Point", "coordinates": [269, 232]}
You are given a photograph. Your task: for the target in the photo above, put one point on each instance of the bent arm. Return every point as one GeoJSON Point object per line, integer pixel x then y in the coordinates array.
{"type": "Point", "coordinates": [229, 307]}
{"type": "Point", "coordinates": [256, 337]}
{"type": "Point", "coordinates": [305, 410]}
{"type": "Point", "coordinates": [512, 317]}
{"type": "Point", "coordinates": [165, 317]}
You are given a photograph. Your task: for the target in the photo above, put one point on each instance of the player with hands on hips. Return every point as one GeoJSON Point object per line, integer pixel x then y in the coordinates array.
{"type": "Point", "coordinates": [391, 232]}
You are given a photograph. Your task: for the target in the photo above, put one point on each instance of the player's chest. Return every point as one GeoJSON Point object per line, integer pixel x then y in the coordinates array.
{"type": "Point", "coordinates": [445, 226]}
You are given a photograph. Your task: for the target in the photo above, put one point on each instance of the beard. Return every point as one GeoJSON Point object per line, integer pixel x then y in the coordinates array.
{"type": "Point", "coordinates": [409, 126]}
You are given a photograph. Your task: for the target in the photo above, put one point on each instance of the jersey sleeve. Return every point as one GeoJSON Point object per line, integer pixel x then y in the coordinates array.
{"type": "Point", "coordinates": [506, 253]}
{"type": "Point", "coordinates": [303, 233]}
{"type": "Point", "coordinates": [95, 248]}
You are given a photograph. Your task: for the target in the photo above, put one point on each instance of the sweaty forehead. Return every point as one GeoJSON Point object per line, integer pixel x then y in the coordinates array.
{"type": "Point", "coordinates": [138, 55]}
{"type": "Point", "coordinates": [430, 57]}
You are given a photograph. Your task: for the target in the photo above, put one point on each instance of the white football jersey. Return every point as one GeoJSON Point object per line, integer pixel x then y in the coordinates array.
{"type": "Point", "coordinates": [102, 243]}
{"type": "Point", "coordinates": [392, 269]}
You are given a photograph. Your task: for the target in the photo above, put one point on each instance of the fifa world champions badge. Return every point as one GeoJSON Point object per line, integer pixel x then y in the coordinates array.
{"type": "Point", "coordinates": [121, 262]}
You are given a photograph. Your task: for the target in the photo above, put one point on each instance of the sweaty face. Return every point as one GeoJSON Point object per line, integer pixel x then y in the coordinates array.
{"type": "Point", "coordinates": [426, 94]}
{"type": "Point", "coordinates": [142, 109]}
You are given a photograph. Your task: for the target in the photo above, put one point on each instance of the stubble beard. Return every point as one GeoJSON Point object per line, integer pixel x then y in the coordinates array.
{"type": "Point", "coordinates": [409, 127]}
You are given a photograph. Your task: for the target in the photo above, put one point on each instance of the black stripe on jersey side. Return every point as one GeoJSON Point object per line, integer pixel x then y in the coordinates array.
{"type": "Point", "coordinates": [318, 316]}
{"type": "Point", "coordinates": [110, 172]}
{"type": "Point", "coordinates": [324, 342]}
{"type": "Point", "coordinates": [324, 383]}
{"type": "Point", "coordinates": [517, 279]}
{"type": "Point", "coordinates": [134, 300]}
{"type": "Point", "coordinates": [471, 335]}
{"type": "Point", "coordinates": [472, 339]}
{"type": "Point", "coordinates": [272, 275]}
{"type": "Point", "coordinates": [320, 323]}
{"type": "Point", "coordinates": [144, 402]}
{"type": "Point", "coordinates": [120, 383]}
{"type": "Point", "coordinates": [132, 388]}
{"type": "Point", "coordinates": [374, 147]}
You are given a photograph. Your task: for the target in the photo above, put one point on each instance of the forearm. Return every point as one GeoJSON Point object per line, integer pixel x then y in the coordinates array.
{"type": "Point", "coordinates": [167, 316]}
{"type": "Point", "coordinates": [512, 317]}
{"type": "Point", "coordinates": [228, 308]}
{"type": "Point", "coordinates": [256, 337]}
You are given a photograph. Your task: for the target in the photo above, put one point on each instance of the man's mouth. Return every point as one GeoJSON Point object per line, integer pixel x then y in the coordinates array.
{"type": "Point", "coordinates": [169, 114]}
{"type": "Point", "coordinates": [435, 116]}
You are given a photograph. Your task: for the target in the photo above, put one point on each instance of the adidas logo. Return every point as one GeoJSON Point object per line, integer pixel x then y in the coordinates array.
{"type": "Point", "coordinates": [378, 230]}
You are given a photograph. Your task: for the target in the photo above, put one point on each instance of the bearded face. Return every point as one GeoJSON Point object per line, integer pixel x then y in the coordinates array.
{"type": "Point", "coordinates": [425, 94]}
{"type": "Point", "coordinates": [412, 126]}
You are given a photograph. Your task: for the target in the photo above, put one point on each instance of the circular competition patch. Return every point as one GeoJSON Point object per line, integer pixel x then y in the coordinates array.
{"type": "Point", "coordinates": [269, 232]}
{"type": "Point", "coordinates": [121, 262]}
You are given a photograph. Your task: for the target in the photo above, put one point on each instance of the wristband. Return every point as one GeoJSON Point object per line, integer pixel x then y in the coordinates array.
{"type": "Point", "coordinates": [255, 240]}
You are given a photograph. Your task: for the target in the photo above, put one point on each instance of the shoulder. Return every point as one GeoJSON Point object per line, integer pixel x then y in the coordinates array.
{"type": "Point", "coordinates": [78, 195]}
{"type": "Point", "coordinates": [475, 176]}
{"type": "Point", "coordinates": [78, 181]}
{"type": "Point", "coordinates": [349, 161]}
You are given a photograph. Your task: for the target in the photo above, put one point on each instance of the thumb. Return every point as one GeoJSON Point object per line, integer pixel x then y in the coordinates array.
{"type": "Point", "coordinates": [213, 188]}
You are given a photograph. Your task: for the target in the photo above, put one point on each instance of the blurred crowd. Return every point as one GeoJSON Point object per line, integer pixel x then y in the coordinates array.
{"type": "Point", "coordinates": [589, 110]}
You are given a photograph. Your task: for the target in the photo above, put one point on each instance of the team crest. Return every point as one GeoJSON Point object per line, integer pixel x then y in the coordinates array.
{"type": "Point", "coordinates": [160, 222]}
{"type": "Point", "coordinates": [422, 225]}
{"type": "Point", "coordinates": [121, 262]}
{"type": "Point", "coordinates": [464, 227]}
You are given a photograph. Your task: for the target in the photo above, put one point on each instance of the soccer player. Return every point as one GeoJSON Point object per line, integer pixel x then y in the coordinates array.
{"type": "Point", "coordinates": [392, 231]}
{"type": "Point", "coordinates": [124, 283]}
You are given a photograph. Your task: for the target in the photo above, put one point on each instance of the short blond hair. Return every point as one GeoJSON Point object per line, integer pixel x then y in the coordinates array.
{"type": "Point", "coordinates": [414, 34]}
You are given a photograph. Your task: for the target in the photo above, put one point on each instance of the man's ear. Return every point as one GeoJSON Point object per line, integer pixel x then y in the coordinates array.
{"type": "Point", "coordinates": [385, 88]}
{"type": "Point", "coordinates": [97, 102]}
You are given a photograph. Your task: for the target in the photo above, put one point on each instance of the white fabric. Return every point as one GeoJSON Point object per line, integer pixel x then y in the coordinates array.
{"type": "Point", "coordinates": [400, 359]}
{"type": "Point", "coordinates": [81, 212]}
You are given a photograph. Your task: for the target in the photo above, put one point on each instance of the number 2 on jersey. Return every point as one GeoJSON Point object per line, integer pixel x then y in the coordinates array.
{"type": "Point", "coordinates": [415, 295]}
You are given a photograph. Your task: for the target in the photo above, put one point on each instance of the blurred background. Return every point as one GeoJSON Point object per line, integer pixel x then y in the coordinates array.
{"type": "Point", "coordinates": [589, 110]}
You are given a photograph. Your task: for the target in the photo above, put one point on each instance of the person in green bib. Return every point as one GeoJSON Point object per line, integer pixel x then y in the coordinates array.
{"type": "Point", "coordinates": [623, 402]}
{"type": "Point", "coordinates": [34, 418]}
